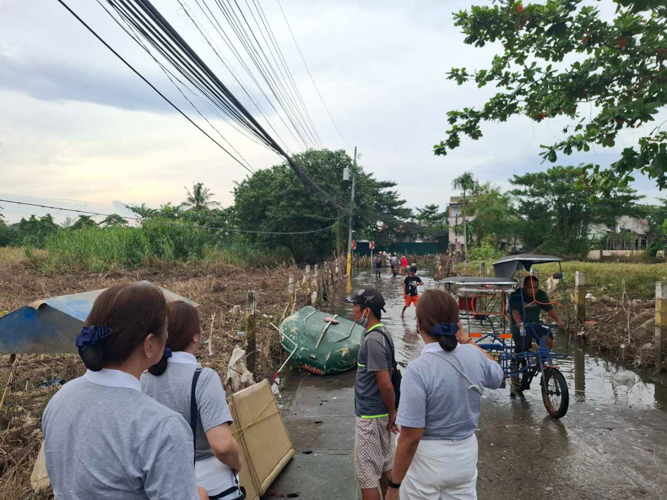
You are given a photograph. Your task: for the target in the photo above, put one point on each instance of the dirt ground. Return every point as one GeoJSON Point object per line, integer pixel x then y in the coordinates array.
{"type": "Point", "coordinates": [217, 288]}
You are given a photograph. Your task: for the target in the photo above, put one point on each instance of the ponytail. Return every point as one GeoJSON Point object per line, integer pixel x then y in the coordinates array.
{"type": "Point", "coordinates": [158, 368]}
{"type": "Point", "coordinates": [93, 357]}
{"type": "Point", "coordinates": [448, 343]}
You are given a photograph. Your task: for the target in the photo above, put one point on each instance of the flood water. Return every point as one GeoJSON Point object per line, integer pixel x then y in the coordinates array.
{"type": "Point", "coordinates": [591, 379]}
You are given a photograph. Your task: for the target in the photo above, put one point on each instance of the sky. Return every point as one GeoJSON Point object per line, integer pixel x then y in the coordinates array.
{"type": "Point", "coordinates": [79, 130]}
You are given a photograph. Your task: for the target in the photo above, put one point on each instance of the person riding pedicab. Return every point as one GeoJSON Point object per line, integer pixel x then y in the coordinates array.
{"type": "Point", "coordinates": [526, 306]}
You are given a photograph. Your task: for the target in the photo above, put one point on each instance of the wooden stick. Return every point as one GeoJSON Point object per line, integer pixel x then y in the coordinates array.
{"type": "Point", "coordinates": [210, 337]}
{"type": "Point", "coordinates": [9, 380]}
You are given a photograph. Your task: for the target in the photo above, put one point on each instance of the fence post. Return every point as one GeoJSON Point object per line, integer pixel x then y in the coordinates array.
{"type": "Point", "coordinates": [482, 269]}
{"type": "Point", "coordinates": [660, 322]}
{"type": "Point", "coordinates": [290, 288]}
{"type": "Point", "coordinates": [251, 351]}
{"type": "Point", "coordinates": [580, 295]}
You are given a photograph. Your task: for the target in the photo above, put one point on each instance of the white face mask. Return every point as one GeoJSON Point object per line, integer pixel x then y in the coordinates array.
{"type": "Point", "coordinates": [363, 321]}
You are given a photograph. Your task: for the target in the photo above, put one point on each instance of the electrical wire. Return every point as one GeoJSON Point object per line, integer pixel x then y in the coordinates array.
{"type": "Point", "coordinates": [311, 76]}
{"type": "Point", "coordinates": [149, 83]}
{"type": "Point", "coordinates": [141, 219]}
{"type": "Point", "coordinates": [147, 21]}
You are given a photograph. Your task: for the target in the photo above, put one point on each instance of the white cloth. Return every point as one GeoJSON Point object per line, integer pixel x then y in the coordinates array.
{"type": "Point", "coordinates": [183, 358]}
{"type": "Point", "coordinates": [442, 470]}
{"type": "Point", "coordinates": [214, 477]}
{"type": "Point", "coordinates": [113, 378]}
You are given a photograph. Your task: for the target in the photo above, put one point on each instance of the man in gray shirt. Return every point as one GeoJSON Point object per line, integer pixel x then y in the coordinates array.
{"type": "Point", "coordinates": [374, 399]}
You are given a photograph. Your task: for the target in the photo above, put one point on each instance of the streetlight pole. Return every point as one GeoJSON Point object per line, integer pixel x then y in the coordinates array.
{"type": "Point", "coordinates": [349, 229]}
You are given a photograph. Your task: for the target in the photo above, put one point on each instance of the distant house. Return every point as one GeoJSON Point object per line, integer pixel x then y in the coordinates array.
{"type": "Point", "coordinates": [629, 233]}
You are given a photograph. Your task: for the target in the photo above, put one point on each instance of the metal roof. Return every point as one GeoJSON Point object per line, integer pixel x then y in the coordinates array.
{"type": "Point", "coordinates": [507, 266]}
{"type": "Point", "coordinates": [49, 326]}
{"type": "Point", "coordinates": [483, 280]}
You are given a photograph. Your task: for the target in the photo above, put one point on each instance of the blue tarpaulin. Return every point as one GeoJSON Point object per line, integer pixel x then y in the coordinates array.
{"type": "Point", "coordinates": [49, 326]}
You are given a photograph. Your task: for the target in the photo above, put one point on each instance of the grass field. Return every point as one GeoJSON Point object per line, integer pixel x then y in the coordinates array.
{"type": "Point", "coordinates": [605, 278]}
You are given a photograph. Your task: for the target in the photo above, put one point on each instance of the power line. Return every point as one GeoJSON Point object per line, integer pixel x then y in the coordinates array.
{"type": "Point", "coordinates": [149, 83]}
{"type": "Point", "coordinates": [311, 76]}
{"type": "Point", "coordinates": [141, 219]}
{"type": "Point", "coordinates": [148, 21]}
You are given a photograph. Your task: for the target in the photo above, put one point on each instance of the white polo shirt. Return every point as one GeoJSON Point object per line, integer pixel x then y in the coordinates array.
{"type": "Point", "coordinates": [104, 438]}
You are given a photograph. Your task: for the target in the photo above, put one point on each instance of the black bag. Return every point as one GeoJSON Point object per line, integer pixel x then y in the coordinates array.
{"type": "Point", "coordinates": [395, 373]}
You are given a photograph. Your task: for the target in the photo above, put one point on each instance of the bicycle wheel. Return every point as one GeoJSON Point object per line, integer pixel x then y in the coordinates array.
{"type": "Point", "coordinates": [555, 394]}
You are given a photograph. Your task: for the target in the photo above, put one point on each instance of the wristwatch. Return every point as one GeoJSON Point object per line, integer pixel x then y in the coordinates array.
{"type": "Point", "coordinates": [392, 484]}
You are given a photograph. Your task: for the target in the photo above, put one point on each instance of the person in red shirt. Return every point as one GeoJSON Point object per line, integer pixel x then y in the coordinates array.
{"type": "Point", "coordinates": [404, 265]}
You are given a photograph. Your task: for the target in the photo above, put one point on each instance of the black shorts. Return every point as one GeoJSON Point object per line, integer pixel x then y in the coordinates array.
{"type": "Point", "coordinates": [533, 332]}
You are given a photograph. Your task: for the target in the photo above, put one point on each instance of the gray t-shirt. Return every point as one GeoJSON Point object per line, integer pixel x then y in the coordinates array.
{"type": "Point", "coordinates": [436, 397]}
{"type": "Point", "coordinates": [173, 389]}
{"type": "Point", "coordinates": [116, 443]}
{"type": "Point", "coordinates": [374, 356]}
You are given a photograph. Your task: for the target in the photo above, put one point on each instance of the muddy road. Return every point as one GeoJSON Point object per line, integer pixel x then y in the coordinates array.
{"type": "Point", "coordinates": [612, 444]}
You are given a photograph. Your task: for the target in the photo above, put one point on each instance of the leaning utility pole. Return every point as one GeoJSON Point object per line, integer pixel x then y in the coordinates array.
{"type": "Point", "coordinates": [349, 229]}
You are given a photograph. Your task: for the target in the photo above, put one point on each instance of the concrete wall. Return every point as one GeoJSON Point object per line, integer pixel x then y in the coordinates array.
{"type": "Point", "coordinates": [600, 254]}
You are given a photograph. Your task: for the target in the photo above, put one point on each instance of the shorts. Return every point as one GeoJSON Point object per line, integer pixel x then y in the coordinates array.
{"type": "Point", "coordinates": [411, 299]}
{"type": "Point", "coordinates": [373, 451]}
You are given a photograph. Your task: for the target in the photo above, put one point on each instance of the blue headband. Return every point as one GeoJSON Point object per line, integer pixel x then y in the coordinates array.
{"type": "Point", "coordinates": [445, 329]}
{"type": "Point", "coordinates": [167, 353]}
{"type": "Point", "coordinates": [91, 335]}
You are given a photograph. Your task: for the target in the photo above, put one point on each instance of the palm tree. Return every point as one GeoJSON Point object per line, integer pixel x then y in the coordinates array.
{"type": "Point", "coordinates": [200, 197]}
{"type": "Point", "coordinates": [465, 182]}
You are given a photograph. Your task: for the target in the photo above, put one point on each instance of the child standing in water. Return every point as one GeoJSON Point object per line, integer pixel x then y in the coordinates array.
{"type": "Point", "coordinates": [410, 289]}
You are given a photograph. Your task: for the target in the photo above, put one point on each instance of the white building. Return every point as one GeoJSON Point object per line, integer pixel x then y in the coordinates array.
{"type": "Point", "coordinates": [455, 220]}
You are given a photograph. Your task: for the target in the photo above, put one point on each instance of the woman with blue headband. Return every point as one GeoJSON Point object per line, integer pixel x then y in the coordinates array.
{"type": "Point", "coordinates": [104, 438]}
{"type": "Point", "coordinates": [441, 397]}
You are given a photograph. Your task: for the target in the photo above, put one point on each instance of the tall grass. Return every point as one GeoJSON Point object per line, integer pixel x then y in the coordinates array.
{"type": "Point", "coordinates": [97, 250]}
{"type": "Point", "coordinates": [604, 278]}
{"type": "Point", "coordinates": [242, 254]}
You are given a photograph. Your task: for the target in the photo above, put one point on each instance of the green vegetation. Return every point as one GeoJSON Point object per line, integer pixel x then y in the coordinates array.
{"type": "Point", "coordinates": [602, 278]}
{"type": "Point", "coordinates": [559, 57]}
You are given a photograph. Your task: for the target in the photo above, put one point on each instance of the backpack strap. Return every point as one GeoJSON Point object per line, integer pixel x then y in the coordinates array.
{"type": "Point", "coordinates": [193, 407]}
{"type": "Point", "coordinates": [391, 346]}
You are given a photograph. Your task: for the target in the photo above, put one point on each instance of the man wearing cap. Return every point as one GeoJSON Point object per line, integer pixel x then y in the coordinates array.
{"type": "Point", "coordinates": [374, 399]}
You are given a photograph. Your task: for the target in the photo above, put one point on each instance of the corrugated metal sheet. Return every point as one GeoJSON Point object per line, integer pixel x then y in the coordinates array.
{"type": "Point", "coordinates": [49, 326]}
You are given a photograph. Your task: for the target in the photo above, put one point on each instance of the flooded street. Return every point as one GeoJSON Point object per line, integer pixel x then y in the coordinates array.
{"type": "Point", "coordinates": [611, 444]}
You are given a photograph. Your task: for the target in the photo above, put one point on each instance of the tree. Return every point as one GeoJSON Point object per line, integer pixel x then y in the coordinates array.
{"type": "Point", "coordinates": [274, 200]}
{"type": "Point", "coordinates": [557, 212]}
{"type": "Point", "coordinates": [466, 183]}
{"type": "Point", "coordinates": [431, 216]}
{"type": "Point", "coordinates": [113, 220]}
{"type": "Point", "coordinates": [616, 80]}
{"type": "Point", "coordinates": [493, 218]}
{"type": "Point", "coordinates": [200, 198]}
{"type": "Point", "coordinates": [34, 231]}
{"type": "Point", "coordinates": [83, 221]}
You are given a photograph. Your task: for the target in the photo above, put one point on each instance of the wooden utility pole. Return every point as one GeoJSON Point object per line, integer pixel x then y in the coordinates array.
{"type": "Point", "coordinates": [580, 295]}
{"type": "Point", "coordinates": [251, 318]}
{"type": "Point", "coordinates": [349, 229]}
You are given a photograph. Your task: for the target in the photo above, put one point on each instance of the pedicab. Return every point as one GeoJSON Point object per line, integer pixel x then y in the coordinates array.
{"type": "Point", "coordinates": [484, 306]}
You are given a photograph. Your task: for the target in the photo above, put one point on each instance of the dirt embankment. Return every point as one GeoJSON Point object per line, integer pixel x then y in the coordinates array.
{"type": "Point", "coordinates": [625, 329]}
{"type": "Point", "coordinates": [217, 288]}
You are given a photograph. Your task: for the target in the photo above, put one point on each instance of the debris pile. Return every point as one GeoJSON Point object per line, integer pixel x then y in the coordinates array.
{"type": "Point", "coordinates": [624, 328]}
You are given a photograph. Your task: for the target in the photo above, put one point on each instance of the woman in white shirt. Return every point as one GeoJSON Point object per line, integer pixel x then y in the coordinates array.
{"type": "Point", "coordinates": [104, 438]}
{"type": "Point", "coordinates": [178, 383]}
{"type": "Point", "coordinates": [441, 397]}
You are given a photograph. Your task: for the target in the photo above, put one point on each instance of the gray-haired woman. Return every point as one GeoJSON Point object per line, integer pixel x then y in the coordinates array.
{"type": "Point", "coordinates": [436, 453]}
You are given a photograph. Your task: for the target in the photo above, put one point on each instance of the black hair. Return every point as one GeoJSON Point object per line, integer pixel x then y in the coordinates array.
{"type": "Point", "coordinates": [436, 307]}
{"type": "Point", "coordinates": [132, 311]}
{"type": "Point", "coordinates": [413, 269]}
{"type": "Point", "coordinates": [377, 313]}
{"type": "Point", "coordinates": [183, 324]}
{"type": "Point", "coordinates": [530, 277]}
